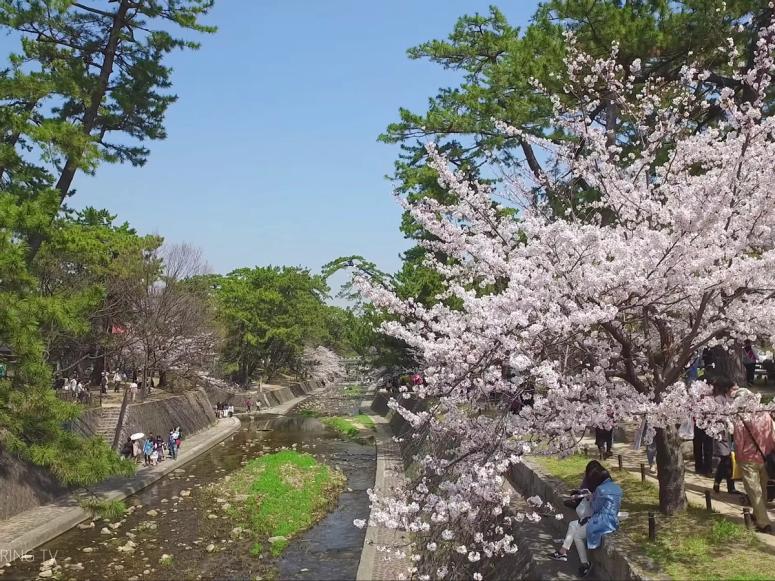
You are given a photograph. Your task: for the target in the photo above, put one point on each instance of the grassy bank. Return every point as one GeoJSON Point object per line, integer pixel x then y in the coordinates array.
{"type": "Point", "coordinates": [351, 427]}
{"type": "Point", "coordinates": [280, 495]}
{"type": "Point", "coordinates": [108, 509]}
{"type": "Point", "coordinates": [695, 544]}
{"type": "Point", "coordinates": [353, 390]}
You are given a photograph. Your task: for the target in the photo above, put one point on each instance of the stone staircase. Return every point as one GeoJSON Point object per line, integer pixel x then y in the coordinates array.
{"type": "Point", "coordinates": [109, 423]}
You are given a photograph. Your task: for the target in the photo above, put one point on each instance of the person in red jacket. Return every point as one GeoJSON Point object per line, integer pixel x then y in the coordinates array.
{"type": "Point", "coordinates": [754, 440]}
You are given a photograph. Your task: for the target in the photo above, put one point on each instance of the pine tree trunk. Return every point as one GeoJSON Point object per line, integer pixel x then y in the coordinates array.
{"type": "Point", "coordinates": [670, 467]}
{"type": "Point", "coordinates": [90, 115]}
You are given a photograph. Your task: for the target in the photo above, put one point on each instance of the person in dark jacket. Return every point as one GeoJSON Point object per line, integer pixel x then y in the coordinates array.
{"type": "Point", "coordinates": [749, 361]}
{"type": "Point", "coordinates": [721, 388]}
{"type": "Point", "coordinates": [172, 445]}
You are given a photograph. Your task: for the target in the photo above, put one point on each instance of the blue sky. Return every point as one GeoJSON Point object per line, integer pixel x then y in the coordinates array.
{"type": "Point", "coordinates": [271, 155]}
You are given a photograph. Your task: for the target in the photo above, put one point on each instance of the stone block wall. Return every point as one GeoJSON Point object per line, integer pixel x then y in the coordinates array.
{"type": "Point", "coordinates": [268, 397]}
{"type": "Point", "coordinates": [24, 486]}
{"type": "Point", "coordinates": [192, 411]}
{"type": "Point", "coordinates": [87, 424]}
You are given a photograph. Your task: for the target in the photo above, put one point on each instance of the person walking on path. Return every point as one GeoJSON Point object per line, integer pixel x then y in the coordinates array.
{"type": "Point", "coordinates": [749, 361]}
{"type": "Point", "coordinates": [754, 440]}
{"type": "Point", "coordinates": [172, 445]}
{"type": "Point", "coordinates": [702, 446]}
{"type": "Point", "coordinates": [721, 389]}
{"type": "Point", "coordinates": [587, 533]}
{"type": "Point", "coordinates": [148, 449]}
{"type": "Point", "coordinates": [247, 404]}
{"type": "Point", "coordinates": [159, 449]}
{"type": "Point", "coordinates": [127, 449]}
{"type": "Point", "coordinates": [604, 440]}
{"type": "Point", "coordinates": [137, 451]}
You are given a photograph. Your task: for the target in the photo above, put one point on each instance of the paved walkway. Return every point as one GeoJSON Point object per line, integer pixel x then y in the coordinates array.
{"type": "Point", "coordinates": [696, 485]}
{"type": "Point", "coordinates": [375, 564]}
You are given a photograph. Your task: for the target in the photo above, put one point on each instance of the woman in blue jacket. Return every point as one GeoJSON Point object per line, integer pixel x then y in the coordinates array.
{"type": "Point", "coordinates": [588, 532]}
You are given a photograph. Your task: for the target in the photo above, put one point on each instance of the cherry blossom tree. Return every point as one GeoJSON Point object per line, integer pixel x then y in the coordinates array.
{"type": "Point", "coordinates": [171, 325]}
{"type": "Point", "coordinates": [322, 364]}
{"type": "Point", "coordinates": [595, 309]}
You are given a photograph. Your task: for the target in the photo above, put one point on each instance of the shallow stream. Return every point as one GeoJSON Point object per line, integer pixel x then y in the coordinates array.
{"type": "Point", "coordinates": [196, 534]}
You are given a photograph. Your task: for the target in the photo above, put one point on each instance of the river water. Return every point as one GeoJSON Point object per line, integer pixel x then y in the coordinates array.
{"type": "Point", "coordinates": [184, 525]}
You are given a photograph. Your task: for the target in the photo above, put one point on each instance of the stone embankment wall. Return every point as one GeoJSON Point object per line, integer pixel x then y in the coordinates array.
{"type": "Point", "coordinates": [87, 424]}
{"type": "Point", "coordinates": [24, 486]}
{"type": "Point", "coordinates": [269, 396]}
{"type": "Point", "coordinates": [192, 411]}
{"type": "Point", "coordinates": [398, 425]}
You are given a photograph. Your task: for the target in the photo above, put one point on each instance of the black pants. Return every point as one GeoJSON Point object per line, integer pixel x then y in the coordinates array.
{"type": "Point", "coordinates": [750, 372]}
{"type": "Point", "coordinates": [703, 452]}
{"type": "Point", "coordinates": [724, 472]}
{"type": "Point", "coordinates": [604, 439]}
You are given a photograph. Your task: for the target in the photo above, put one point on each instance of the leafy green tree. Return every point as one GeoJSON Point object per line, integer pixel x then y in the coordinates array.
{"type": "Point", "coordinates": [268, 314]}
{"type": "Point", "coordinates": [83, 274]}
{"type": "Point", "coordinates": [32, 418]}
{"type": "Point", "coordinates": [363, 333]}
{"type": "Point", "coordinates": [88, 85]}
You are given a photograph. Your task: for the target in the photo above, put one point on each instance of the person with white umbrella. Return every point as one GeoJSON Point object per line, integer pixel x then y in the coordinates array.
{"type": "Point", "coordinates": [137, 449]}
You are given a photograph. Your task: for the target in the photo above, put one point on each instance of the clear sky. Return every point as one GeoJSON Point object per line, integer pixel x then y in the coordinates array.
{"type": "Point", "coordinates": [271, 155]}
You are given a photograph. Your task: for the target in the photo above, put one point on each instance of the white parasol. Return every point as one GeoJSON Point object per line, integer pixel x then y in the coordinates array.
{"type": "Point", "coordinates": [137, 436]}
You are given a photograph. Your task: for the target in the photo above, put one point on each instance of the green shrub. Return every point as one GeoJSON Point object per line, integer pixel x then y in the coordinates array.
{"type": "Point", "coordinates": [107, 509]}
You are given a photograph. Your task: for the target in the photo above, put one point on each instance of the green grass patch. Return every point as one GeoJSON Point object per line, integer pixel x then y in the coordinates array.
{"type": "Point", "coordinates": [108, 509]}
{"type": "Point", "coordinates": [286, 493]}
{"type": "Point", "coordinates": [351, 427]}
{"type": "Point", "coordinates": [310, 413]}
{"type": "Point", "coordinates": [256, 549]}
{"type": "Point", "coordinates": [695, 544]}
{"type": "Point", "coordinates": [166, 560]}
{"type": "Point", "coordinates": [354, 390]}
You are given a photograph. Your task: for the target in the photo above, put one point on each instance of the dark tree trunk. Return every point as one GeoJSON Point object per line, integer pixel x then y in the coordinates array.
{"type": "Point", "coordinates": [162, 379]}
{"type": "Point", "coordinates": [90, 116]}
{"type": "Point", "coordinates": [99, 367]}
{"type": "Point", "coordinates": [670, 467]}
{"type": "Point", "coordinates": [244, 373]}
{"type": "Point", "coordinates": [727, 363]}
